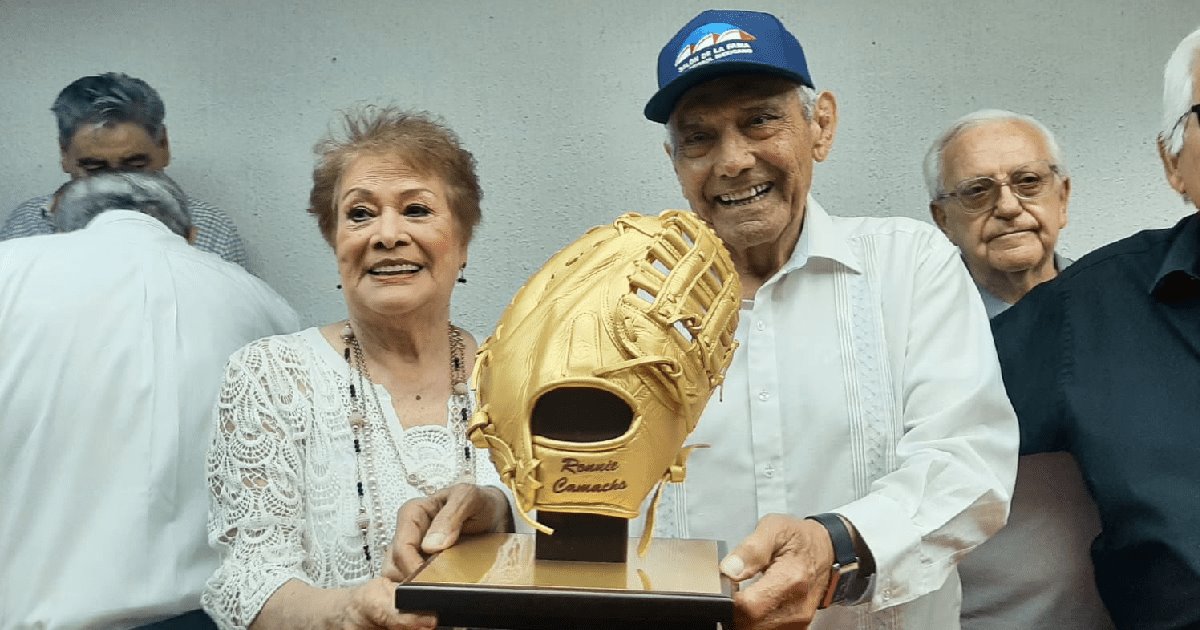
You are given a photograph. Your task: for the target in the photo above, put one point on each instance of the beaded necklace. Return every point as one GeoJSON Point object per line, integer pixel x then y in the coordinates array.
{"type": "Point", "coordinates": [366, 420]}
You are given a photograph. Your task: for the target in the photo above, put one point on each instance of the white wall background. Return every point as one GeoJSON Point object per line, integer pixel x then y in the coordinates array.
{"type": "Point", "coordinates": [548, 95]}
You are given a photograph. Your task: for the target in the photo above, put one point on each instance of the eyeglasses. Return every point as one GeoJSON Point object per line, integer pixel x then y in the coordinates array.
{"type": "Point", "coordinates": [1194, 110]}
{"type": "Point", "coordinates": [1027, 182]}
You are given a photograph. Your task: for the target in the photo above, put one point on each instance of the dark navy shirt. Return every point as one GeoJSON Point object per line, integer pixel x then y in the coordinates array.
{"type": "Point", "coordinates": [1104, 362]}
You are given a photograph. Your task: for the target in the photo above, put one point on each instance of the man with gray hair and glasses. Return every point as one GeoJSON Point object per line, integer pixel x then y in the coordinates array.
{"type": "Point", "coordinates": [1104, 362]}
{"type": "Point", "coordinates": [114, 334]}
{"type": "Point", "coordinates": [998, 188]}
{"type": "Point", "coordinates": [114, 122]}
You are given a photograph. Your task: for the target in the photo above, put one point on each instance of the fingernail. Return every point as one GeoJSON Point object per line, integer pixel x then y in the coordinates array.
{"type": "Point", "coordinates": [732, 566]}
{"type": "Point", "coordinates": [428, 621]}
{"type": "Point", "coordinates": [434, 539]}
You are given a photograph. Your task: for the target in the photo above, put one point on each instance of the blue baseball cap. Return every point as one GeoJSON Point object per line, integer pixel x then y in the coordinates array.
{"type": "Point", "coordinates": [716, 43]}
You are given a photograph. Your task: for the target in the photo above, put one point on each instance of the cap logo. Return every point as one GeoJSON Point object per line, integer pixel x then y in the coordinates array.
{"type": "Point", "coordinates": [711, 42]}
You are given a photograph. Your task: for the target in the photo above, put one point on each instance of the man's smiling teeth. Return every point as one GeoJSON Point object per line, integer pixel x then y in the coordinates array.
{"type": "Point", "coordinates": [394, 269]}
{"type": "Point", "coordinates": [744, 196]}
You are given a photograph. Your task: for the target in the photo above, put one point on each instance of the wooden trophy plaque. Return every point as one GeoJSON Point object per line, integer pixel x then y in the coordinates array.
{"type": "Point", "coordinates": [587, 575]}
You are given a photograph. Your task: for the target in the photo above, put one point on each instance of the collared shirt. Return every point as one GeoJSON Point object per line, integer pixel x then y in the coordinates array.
{"type": "Point", "coordinates": [866, 384]}
{"type": "Point", "coordinates": [994, 305]}
{"type": "Point", "coordinates": [1008, 582]}
{"type": "Point", "coordinates": [215, 232]}
{"type": "Point", "coordinates": [114, 338]}
{"type": "Point", "coordinates": [1104, 362]}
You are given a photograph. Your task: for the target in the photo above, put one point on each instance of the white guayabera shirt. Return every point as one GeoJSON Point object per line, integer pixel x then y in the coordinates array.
{"type": "Point", "coordinates": [866, 384]}
{"type": "Point", "coordinates": [112, 343]}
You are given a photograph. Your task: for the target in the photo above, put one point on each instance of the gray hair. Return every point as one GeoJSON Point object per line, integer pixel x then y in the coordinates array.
{"type": "Point", "coordinates": [108, 99]}
{"type": "Point", "coordinates": [933, 158]}
{"type": "Point", "coordinates": [81, 200]}
{"type": "Point", "coordinates": [808, 100]}
{"type": "Point", "coordinates": [1177, 91]}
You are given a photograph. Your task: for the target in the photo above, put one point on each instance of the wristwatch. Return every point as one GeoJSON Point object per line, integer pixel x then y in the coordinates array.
{"type": "Point", "coordinates": [845, 559]}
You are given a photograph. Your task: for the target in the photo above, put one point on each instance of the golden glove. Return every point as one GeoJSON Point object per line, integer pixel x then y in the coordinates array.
{"type": "Point", "coordinates": [603, 362]}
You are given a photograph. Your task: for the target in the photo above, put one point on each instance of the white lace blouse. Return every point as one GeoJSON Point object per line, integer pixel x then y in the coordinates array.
{"type": "Point", "coordinates": [282, 473]}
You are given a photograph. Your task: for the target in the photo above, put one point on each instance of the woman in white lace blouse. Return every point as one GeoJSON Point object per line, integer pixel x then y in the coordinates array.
{"type": "Point", "coordinates": [320, 436]}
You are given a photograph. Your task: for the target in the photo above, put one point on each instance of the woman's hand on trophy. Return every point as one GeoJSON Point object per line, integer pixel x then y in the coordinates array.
{"type": "Point", "coordinates": [431, 524]}
{"type": "Point", "coordinates": [373, 605]}
{"type": "Point", "coordinates": [794, 557]}
{"type": "Point", "coordinates": [370, 605]}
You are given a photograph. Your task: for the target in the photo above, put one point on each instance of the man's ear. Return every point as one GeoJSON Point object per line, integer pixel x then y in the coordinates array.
{"type": "Point", "coordinates": [165, 143]}
{"type": "Point", "coordinates": [670, 151]}
{"type": "Point", "coordinates": [824, 120]}
{"type": "Point", "coordinates": [1171, 167]}
{"type": "Point", "coordinates": [1066, 200]}
{"type": "Point", "coordinates": [939, 216]}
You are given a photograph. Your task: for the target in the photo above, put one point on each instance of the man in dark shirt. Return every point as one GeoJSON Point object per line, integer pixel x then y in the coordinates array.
{"type": "Point", "coordinates": [1104, 362]}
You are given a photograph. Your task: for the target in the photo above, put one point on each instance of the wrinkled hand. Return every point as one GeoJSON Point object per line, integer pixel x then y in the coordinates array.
{"type": "Point", "coordinates": [794, 557]}
{"type": "Point", "coordinates": [373, 605]}
{"type": "Point", "coordinates": [431, 524]}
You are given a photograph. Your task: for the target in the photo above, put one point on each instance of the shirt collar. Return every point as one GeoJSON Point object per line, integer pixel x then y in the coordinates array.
{"type": "Point", "coordinates": [820, 239]}
{"type": "Point", "coordinates": [994, 305]}
{"type": "Point", "coordinates": [1180, 269]}
{"type": "Point", "coordinates": [118, 216]}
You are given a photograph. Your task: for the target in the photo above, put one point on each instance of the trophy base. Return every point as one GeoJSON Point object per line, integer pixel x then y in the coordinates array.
{"type": "Point", "coordinates": [495, 581]}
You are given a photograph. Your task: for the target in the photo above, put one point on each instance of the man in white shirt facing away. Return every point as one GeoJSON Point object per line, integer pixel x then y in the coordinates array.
{"type": "Point", "coordinates": [998, 188]}
{"type": "Point", "coordinates": [114, 335]}
{"type": "Point", "coordinates": [865, 395]}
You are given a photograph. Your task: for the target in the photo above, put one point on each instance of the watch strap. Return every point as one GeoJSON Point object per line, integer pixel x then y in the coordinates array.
{"type": "Point", "coordinates": [845, 558]}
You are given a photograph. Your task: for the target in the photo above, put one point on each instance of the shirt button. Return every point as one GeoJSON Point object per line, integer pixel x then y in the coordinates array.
{"type": "Point", "coordinates": [764, 395]}
{"type": "Point", "coordinates": [769, 471]}
{"type": "Point", "coordinates": [761, 325]}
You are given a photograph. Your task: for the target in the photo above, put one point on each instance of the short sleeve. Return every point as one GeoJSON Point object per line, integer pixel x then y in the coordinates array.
{"type": "Point", "coordinates": [216, 233]}
{"type": "Point", "coordinates": [27, 219]}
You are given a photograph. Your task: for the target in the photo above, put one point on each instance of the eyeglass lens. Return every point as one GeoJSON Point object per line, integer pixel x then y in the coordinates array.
{"type": "Point", "coordinates": [1027, 181]}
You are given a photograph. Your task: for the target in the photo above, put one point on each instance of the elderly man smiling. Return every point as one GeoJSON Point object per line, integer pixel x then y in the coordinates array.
{"type": "Point", "coordinates": [864, 441]}
{"type": "Point", "coordinates": [999, 189]}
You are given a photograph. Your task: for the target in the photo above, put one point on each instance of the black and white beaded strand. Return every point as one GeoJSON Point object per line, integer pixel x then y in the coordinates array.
{"type": "Point", "coordinates": [358, 422]}
{"type": "Point", "coordinates": [458, 386]}
{"type": "Point", "coordinates": [360, 388]}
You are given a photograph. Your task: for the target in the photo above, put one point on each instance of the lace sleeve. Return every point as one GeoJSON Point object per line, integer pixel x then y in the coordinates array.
{"type": "Point", "coordinates": [255, 481]}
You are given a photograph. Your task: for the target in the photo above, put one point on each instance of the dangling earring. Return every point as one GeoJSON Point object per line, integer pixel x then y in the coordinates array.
{"type": "Point", "coordinates": [462, 276]}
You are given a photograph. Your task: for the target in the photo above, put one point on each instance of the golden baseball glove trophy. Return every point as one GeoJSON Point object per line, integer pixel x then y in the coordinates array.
{"type": "Point", "coordinates": [596, 374]}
